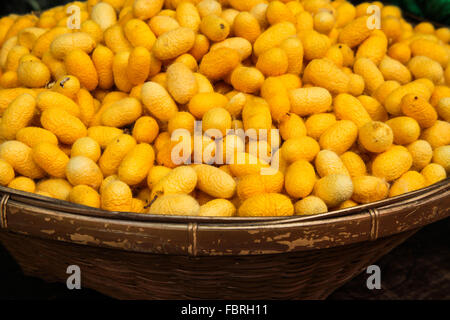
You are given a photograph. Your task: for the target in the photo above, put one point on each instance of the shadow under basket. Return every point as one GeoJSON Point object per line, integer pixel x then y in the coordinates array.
{"type": "Point", "coordinates": [137, 256]}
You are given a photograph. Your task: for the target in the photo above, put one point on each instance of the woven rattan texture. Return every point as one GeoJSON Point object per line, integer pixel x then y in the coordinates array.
{"type": "Point", "coordinates": [299, 275]}
{"type": "Point", "coordinates": [192, 260]}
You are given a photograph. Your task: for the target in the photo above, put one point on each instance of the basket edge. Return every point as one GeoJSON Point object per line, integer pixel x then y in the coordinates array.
{"type": "Point", "coordinates": [225, 239]}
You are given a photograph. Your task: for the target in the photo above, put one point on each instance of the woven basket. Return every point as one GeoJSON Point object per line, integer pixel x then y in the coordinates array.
{"type": "Point", "coordinates": [135, 256]}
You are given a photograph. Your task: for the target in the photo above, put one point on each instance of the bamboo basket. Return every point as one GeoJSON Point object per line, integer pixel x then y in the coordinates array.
{"type": "Point", "coordinates": [136, 256]}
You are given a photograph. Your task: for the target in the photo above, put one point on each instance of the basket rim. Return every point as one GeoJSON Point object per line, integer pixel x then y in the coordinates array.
{"type": "Point", "coordinates": [77, 209]}
{"type": "Point", "coordinates": [416, 210]}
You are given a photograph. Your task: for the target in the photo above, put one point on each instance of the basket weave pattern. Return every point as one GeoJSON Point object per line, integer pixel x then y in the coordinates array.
{"type": "Point", "coordinates": [129, 275]}
{"type": "Point", "coordinates": [149, 257]}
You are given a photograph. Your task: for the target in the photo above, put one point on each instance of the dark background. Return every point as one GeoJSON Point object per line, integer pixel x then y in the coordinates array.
{"type": "Point", "coordinates": [418, 269]}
